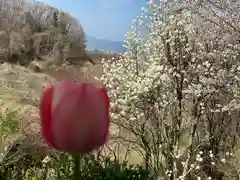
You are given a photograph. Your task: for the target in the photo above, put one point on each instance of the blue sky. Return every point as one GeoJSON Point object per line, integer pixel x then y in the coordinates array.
{"type": "Point", "coordinates": [108, 19]}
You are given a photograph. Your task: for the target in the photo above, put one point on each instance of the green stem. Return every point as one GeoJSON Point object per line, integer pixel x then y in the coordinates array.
{"type": "Point", "coordinates": [76, 172]}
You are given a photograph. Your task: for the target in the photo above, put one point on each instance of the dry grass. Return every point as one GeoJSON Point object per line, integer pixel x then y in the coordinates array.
{"type": "Point", "coordinates": [21, 89]}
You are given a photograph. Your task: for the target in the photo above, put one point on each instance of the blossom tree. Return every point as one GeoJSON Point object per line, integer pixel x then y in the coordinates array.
{"type": "Point", "coordinates": [177, 88]}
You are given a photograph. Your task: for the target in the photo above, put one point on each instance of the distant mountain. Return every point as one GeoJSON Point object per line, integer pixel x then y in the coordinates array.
{"type": "Point", "coordinates": [95, 43]}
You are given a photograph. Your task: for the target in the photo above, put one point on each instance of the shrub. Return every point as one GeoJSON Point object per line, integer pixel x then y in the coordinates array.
{"type": "Point", "coordinates": [9, 123]}
{"type": "Point", "coordinates": [93, 169]}
{"type": "Point", "coordinates": [60, 167]}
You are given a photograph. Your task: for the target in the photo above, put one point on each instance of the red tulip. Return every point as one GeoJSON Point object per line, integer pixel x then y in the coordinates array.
{"type": "Point", "coordinates": [75, 117]}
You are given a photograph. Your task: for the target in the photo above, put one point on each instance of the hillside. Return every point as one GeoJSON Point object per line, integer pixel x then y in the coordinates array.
{"type": "Point", "coordinates": [95, 43]}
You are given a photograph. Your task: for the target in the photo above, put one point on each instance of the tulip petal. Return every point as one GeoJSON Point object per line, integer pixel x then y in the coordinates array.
{"type": "Point", "coordinates": [97, 104]}
{"type": "Point", "coordinates": [81, 117]}
{"type": "Point", "coordinates": [64, 112]}
{"type": "Point", "coordinates": [64, 87]}
{"type": "Point", "coordinates": [45, 115]}
{"type": "Point", "coordinates": [104, 94]}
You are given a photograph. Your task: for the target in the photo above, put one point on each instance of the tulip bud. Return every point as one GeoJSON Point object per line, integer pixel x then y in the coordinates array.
{"type": "Point", "coordinates": [75, 117]}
